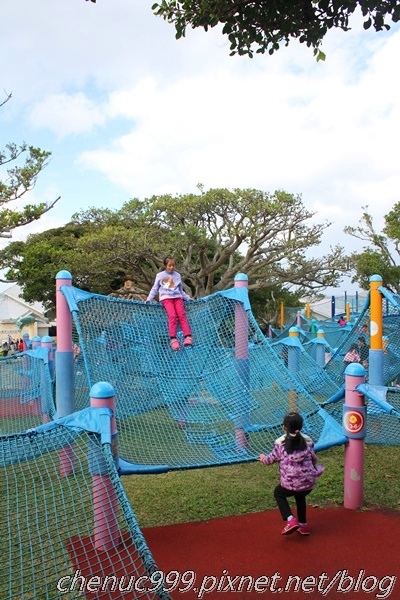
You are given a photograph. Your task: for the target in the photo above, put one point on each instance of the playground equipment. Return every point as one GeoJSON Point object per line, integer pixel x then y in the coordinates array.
{"type": "Point", "coordinates": [381, 315]}
{"type": "Point", "coordinates": [221, 402]}
{"type": "Point", "coordinates": [26, 396]}
{"type": "Point", "coordinates": [70, 536]}
{"type": "Point", "coordinates": [347, 305]}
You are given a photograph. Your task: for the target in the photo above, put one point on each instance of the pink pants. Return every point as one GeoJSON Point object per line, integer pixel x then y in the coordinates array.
{"type": "Point", "coordinates": [176, 313]}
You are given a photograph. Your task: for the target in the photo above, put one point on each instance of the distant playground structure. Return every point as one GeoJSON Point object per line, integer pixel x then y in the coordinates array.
{"type": "Point", "coordinates": [71, 424]}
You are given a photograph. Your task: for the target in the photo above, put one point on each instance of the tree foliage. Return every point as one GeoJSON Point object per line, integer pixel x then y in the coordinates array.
{"type": "Point", "coordinates": [213, 235]}
{"type": "Point", "coordinates": [380, 255]}
{"type": "Point", "coordinates": [263, 26]}
{"type": "Point", "coordinates": [33, 264]}
{"type": "Point", "coordinates": [18, 179]}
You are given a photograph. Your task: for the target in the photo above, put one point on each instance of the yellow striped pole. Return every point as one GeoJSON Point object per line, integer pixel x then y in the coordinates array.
{"type": "Point", "coordinates": [347, 311]}
{"type": "Point", "coordinates": [376, 332]}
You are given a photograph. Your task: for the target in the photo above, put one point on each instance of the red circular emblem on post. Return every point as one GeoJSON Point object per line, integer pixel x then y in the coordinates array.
{"type": "Point", "coordinates": [353, 421]}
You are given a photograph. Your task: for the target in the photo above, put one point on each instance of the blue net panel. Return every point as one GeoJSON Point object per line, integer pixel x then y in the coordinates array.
{"type": "Point", "coordinates": [64, 513]}
{"type": "Point", "coordinates": [221, 401]}
{"type": "Point", "coordinates": [391, 341]}
{"type": "Point", "coordinates": [67, 527]}
{"type": "Point", "coordinates": [26, 391]}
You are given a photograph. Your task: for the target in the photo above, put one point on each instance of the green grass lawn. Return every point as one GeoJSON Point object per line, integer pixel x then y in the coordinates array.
{"type": "Point", "coordinates": [201, 494]}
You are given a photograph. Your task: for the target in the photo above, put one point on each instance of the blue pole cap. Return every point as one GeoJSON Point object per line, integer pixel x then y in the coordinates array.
{"type": "Point", "coordinates": [102, 389]}
{"type": "Point", "coordinates": [63, 275]}
{"type": "Point", "coordinates": [355, 369]}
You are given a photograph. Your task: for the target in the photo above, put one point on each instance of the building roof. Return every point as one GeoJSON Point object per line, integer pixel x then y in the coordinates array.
{"type": "Point", "coordinates": [12, 306]}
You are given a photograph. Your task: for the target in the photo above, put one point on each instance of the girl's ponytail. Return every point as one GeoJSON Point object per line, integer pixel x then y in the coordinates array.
{"type": "Point", "coordinates": [294, 441]}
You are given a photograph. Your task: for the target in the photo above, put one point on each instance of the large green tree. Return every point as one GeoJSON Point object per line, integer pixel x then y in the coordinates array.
{"type": "Point", "coordinates": [263, 26]}
{"type": "Point", "coordinates": [33, 264]}
{"type": "Point", "coordinates": [20, 166]}
{"type": "Point", "coordinates": [381, 252]}
{"type": "Point", "coordinates": [213, 235]}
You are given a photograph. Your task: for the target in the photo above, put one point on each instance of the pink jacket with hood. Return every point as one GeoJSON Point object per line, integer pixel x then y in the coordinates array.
{"type": "Point", "coordinates": [298, 471]}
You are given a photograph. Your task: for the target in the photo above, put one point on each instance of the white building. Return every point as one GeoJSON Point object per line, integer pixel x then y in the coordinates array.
{"type": "Point", "coordinates": [13, 308]}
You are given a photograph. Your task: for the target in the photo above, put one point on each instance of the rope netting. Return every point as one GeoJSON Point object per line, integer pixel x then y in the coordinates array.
{"type": "Point", "coordinates": [308, 328]}
{"type": "Point", "coordinates": [391, 341]}
{"type": "Point", "coordinates": [67, 527]}
{"type": "Point", "coordinates": [26, 395]}
{"type": "Point", "coordinates": [301, 360]}
{"type": "Point", "coordinates": [220, 401]}
{"type": "Point", "coordinates": [65, 514]}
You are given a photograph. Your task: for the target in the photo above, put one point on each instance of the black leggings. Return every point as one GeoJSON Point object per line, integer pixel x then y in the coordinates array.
{"type": "Point", "coordinates": [281, 495]}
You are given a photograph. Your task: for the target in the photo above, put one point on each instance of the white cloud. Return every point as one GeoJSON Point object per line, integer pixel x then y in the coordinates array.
{"type": "Point", "coordinates": [67, 114]}
{"type": "Point", "coordinates": [295, 130]}
{"type": "Point", "coordinates": [128, 111]}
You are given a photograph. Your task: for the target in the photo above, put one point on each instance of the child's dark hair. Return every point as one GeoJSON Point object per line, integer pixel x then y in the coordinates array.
{"type": "Point", "coordinates": [167, 259]}
{"type": "Point", "coordinates": [294, 441]}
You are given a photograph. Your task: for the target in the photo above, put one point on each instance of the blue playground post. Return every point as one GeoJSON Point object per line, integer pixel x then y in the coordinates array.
{"type": "Point", "coordinates": [293, 365]}
{"type": "Point", "coordinates": [36, 342]}
{"type": "Point", "coordinates": [354, 426]}
{"type": "Point", "coordinates": [25, 340]}
{"type": "Point", "coordinates": [105, 502]}
{"type": "Point", "coordinates": [293, 351]}
{"type": "Point", "coordinates": [320, 348]}
{"type": "Point", "coordinates": [242, 360]}
{"type": "Point", "coordinates": [47, 342]}
{"type": "Point", "coordinates": [313, 326]}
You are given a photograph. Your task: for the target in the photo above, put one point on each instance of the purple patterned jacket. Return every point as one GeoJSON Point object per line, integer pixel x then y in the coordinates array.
{"type": "Point", "coordinates": [298, 471]}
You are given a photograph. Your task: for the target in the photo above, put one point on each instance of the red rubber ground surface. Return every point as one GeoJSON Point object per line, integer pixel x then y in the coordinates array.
{"type": "Point", "coordinates": [350, 555]}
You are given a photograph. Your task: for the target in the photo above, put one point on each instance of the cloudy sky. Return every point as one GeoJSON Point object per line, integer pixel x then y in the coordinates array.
{"type": "Point", "coordinates": [127, 111]}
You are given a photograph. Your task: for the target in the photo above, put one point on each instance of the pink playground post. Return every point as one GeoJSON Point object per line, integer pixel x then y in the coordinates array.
{"type": "Point", "coordinates": [242, 359]}
{"type": "Point", "coordinates": [65, 393]}
{"type": "Point", "coordinates": [105, 502]}
{"type": "Point", "coordinates": [354, 425]}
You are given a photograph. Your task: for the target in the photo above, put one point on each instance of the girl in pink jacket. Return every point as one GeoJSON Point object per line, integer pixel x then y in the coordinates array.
{"type": "Point", "coordinates": [298, 471]}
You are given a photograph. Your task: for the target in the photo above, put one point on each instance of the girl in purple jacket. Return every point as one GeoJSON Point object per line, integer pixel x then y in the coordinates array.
{"type": "Point", "coordinates": [168, 286]}
{"type": "Point", "coordinates": [298, 471]}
